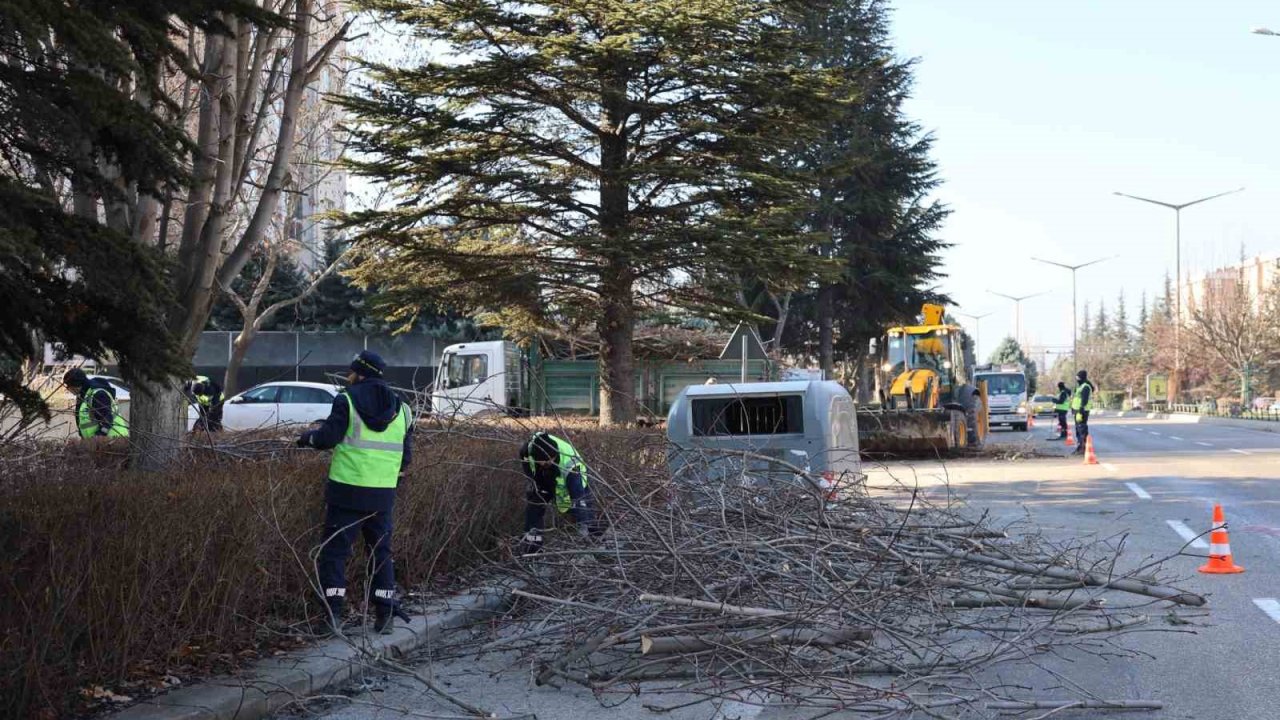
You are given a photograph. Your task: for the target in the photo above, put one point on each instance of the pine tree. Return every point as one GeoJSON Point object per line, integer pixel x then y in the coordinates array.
{"type": "Point", "coordinates": [1009, 352]}
{"type": "Point", "coordinates": [286, 281]}
{"type": "Point", "coordinates": [1120, 330]}
{"type": "Point", "coordinates": [84, 120]}
{"type": "Point", "coordinates": [871, 177]}
{"type": "Point", "coordinates": [1102, 325]}
{"type": "Point", "coordinates": [584, 155]}
{"type": "Point", "coordinates": [1143, 318]}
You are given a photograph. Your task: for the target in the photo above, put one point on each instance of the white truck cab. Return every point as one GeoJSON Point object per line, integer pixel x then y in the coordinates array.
{"type": "Point", "coordinates": [1006, 394]}
{"type": "Point", "coordinates": [480, 379]}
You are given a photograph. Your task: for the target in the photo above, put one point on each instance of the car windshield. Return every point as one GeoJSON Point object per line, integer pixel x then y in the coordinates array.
{"type": "Point", "coordinates": [1044, 398]}
{"type": "Point", "coordinates": [1009, 384]}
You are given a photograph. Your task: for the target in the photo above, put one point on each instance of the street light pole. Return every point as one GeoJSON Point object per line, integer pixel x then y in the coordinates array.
{"type": "Point", "coordinates": [977, 323]}
{"type": "Point", "coordinates": [1265, 31]}
{"type": "Point", "coordinates": [1175, 386]}
{"type": "Point", "coordinates": [1017, 310]}
{"type": "Point", "coordinates": [1075, 357]}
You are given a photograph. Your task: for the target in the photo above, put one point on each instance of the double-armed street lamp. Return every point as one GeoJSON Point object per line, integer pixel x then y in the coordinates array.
{"type": "Point", "coordinates": [977, 323]}
{"type": "Point", "coordinates": [1075, 359]}
{"type": "Point", "coordinates": [1177, 208]}
{"type": "Point", "coordinates": [1017, 310]}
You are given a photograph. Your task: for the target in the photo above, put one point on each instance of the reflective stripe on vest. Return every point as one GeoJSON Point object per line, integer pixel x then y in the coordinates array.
{"type": "Point", "coordinates": [1076, 402]}
{"type": "Point", "coordinates": [366, 457]}
{"type": "Point", "coordinates": [568, 462]}
{"type": "Point", "coordinates": [89, 427]}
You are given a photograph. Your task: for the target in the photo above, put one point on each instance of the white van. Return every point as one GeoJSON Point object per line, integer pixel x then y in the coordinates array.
{"type": "Point", "coordinates": [480, 379]}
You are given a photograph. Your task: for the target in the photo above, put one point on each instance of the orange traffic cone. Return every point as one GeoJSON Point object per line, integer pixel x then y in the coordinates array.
{"type": "Point", "coordinates": [1089, 457]}
{"type": "Point", "coordinates": [1031, 421]}
{"type": "Point", "coordinates": [1219, 547]}
{"type": "Point", "coordinates": [1071, 442]}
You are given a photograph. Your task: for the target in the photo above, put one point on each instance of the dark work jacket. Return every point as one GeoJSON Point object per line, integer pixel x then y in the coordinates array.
{"type": "Point", "coordinates": [377, 404]}
{"type": "Point", "coordinates": [1064, 398]}
{"type": "Point", "coordinates": [1085, 393]}
{"type": "Point", "coordinates": [100, 411]}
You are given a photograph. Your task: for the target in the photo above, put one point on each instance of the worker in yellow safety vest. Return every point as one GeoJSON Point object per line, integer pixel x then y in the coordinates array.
{"type": "Point", "coordinates": [557, 478]}
{"type": "Point", "coordinates": [1081, 403]}
{"type": "Point", "coordinates": [1061, 406]}
{"type": "Point", "coordinates": [97, 413]}
{"type": "Point", "coordinates": [371, 433]}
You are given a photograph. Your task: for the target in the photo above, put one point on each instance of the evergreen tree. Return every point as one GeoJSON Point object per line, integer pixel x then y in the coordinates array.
{"type": "Point", "coordinates": [1120, 330]}
{"type": "Point", "coordinates": [871, 175]}
{"type": "Point", "coordinates": [584, 155]}
{"type": "Point", "coordinates": [1143, 318]}
{"type": "Point", "coordinates": [84, 118]}
{"type": "Point", "coordinates": [337, 303]}
{"type": "Point", "coordinates": [1009, 352]}
{"type": "Point", "coordinates": [1102, 325]}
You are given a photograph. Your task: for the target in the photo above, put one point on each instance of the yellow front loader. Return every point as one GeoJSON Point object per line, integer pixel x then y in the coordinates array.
{"type": "Point", "coordinates": [929, 403]}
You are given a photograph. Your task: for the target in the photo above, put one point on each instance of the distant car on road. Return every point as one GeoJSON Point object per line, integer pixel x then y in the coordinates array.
{"type": "Point", "coordinates": [1043, 404]}
{"type": "Point", "coordinates": [275, 403]}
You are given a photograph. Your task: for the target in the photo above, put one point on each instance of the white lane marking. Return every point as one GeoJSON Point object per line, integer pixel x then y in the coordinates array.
{"type": "Point", "coordinates": [1109, 467]}
{"type": "Point", "coordinates": [1270, 606]}
{"type": "Point", "coordinates": [1242, 452]}
{"type": "Point", "coordinates": [1175, 437]}
{"type": "Point", "coordinates": [1204, 444]}
{"type": "Point", "coordinates": [1188, 534]}
{"type": "Point", "coordinates": [1153, 432]}
{"type": "Point", "coordinates": [1137, 490]}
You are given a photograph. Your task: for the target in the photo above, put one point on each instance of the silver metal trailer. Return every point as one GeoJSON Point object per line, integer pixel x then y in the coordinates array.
{"type": "Point", "coordinates": [803, 432]}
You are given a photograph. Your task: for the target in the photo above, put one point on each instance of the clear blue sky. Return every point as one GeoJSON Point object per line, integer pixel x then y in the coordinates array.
{"type": "Point", "coordinates": [1041, 109]}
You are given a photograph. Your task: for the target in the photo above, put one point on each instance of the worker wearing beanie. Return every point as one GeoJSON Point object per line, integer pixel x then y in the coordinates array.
{"type": "Point", "coordinates": [97, 414]}
{"type": "Point", "coordinates": [1081, 403]}
{"type": "Point", "coordinates": [371, 433]}
{"type": "Point", "coordinates": [558, 478]}
{"type": "Point", "coordinates": [1061, 406]}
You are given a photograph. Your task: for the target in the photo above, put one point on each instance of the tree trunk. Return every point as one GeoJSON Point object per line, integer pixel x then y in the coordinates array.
{"type": "Point", "coordinates": [239, 348]}
{"type": "Point", "coordinates": [617, 362]}
{"type": "Point", "coordinates": [158, 419]}
{"type": "Point", "coordinates": [826, 355]}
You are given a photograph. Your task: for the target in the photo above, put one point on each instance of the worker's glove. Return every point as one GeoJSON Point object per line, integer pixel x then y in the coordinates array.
{"type": "Point", "coordinates": [304, 440]}
{"type": "Point", "coordinates": [1079, 417]}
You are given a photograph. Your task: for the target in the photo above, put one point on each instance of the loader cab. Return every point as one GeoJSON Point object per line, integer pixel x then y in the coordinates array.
{"type": "Point", "coordinates": [942, 350]}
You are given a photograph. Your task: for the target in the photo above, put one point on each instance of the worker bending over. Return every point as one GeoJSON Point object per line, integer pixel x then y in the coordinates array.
{"type": "Point", "coordinates": [97, 414]}
{"type": "Point", "coordinates": [558, 478]}
{"type": "Point", "coordinates": [371, 433]}
{"type": "Point", "coordinates": [206, 395]}
{"type": "Point", "coordinates": [1081, 401]}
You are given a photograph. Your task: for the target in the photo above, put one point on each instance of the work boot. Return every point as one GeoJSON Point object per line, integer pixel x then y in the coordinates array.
{"type": "Point", "coordinates": [331, 621]}
{"type": "Point", "coordinates": [383, 619]}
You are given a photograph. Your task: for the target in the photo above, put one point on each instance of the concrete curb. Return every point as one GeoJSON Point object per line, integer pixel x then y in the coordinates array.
{"type": "Point", "coordinates": [1194, 419]}
{"type": "Point", "coordinates": [270, 684]}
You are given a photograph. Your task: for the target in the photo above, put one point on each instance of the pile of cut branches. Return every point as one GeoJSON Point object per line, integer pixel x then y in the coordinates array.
{"type": "Point", "coordinates": [771, 593]}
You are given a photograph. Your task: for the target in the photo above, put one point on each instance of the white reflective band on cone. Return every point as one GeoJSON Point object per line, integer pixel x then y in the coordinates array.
{"type": "Point", "coordinates": [1222, 550]}
{"type": "Point", "coordinates": [335, 592]}
{"type": "Point", "coordinates": [387, 594]}
{"type": "Point", "coordinates": [1220, 525]}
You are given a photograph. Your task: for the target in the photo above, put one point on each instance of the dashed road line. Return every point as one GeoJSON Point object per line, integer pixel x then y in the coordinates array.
{"type": "Point", "coordinates": [1109, 467]}
{"type": "Point", "coordinates": [1175, 437]}
{"type": "Point", "coordinates": [1242, 452]}
{"type": "Point", "coordinates": [1188, 534]}
{"type": "Point", "coordinates": [1153, 432]}
{"type": "Point", "coordinates": [1198, 442]}
{"type": "Point", "coordinates": [1137, 490]}
{"type": "Point", "coordinates": [1270, 606]}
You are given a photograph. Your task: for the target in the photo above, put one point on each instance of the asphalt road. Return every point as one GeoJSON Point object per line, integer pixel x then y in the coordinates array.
{"type": "Point", "coordinates": [1151, 494]}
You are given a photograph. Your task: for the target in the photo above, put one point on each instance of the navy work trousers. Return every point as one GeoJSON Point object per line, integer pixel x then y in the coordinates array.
{"type": "Point", "coordinates": [341, 526]}
{"type": "Point", "coordinates": [542, 494]}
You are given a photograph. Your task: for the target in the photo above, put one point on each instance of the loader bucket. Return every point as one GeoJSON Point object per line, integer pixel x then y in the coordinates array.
{"type": "Point", "coordinates": [911, 432]}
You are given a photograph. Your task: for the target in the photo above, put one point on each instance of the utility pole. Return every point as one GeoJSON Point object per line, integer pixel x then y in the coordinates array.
{"type": "Point", "coordinates": [1075, 357]}
{"type": "Point", "coordinates": [1017, 310]}
{"type": "Point", "coordinates": [1175, 387]}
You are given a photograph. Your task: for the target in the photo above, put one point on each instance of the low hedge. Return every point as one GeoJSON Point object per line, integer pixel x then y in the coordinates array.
{"type": "Point", "coordinates": [114, 579]}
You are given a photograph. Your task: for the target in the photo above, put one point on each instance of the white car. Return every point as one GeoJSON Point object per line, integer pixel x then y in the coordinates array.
{"type": "Point", "coordinates": [275, 403]}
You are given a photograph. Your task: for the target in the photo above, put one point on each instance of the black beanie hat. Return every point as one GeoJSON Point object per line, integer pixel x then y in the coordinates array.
{"type": "Point", "coordinates": [75, 377]}
{"type": "Point", "coordinates": [368, 364]}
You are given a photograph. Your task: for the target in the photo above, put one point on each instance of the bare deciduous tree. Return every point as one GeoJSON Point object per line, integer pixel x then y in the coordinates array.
{"type": "Point", "coordinates": [1235, 323]}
